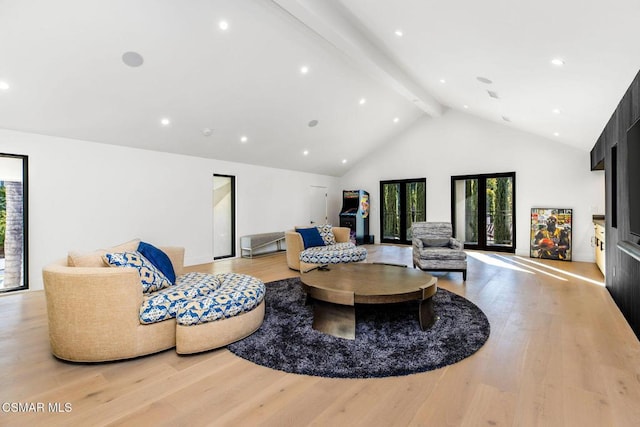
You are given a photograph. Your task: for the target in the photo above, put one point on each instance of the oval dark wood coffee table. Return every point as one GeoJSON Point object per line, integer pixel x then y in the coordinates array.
{"type": "Point", "coordinates": [335, 290]}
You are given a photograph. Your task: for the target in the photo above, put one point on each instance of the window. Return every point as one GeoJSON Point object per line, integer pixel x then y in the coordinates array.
{"type": "Point", "coordinates": [483, 210]}
{"type": "Point", "coordinates": [13, 223]}
{"type": "Point", "coordinates": [403, 202]}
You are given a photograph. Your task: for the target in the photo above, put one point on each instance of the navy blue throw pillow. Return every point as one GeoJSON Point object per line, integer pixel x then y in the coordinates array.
{"type": "Point", "coordinates": [311, 237]}
{"type": "Point", "coordinates": [159, 259]}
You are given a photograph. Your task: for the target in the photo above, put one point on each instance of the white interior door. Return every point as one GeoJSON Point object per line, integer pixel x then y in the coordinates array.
{"type": "Point", "coordinates": [318, 205]}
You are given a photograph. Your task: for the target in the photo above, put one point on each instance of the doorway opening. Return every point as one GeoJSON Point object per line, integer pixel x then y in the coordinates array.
{"type": "Point", "coordinates": [224, 216]}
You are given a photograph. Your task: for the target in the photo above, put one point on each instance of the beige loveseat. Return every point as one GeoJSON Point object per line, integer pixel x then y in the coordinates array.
{"type": "Point", "coordinates": [94, 313]}
{"type": "Point", "coordinates": [303, 260]}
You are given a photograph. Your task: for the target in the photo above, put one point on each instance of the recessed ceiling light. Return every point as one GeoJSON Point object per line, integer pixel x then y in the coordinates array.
{"type": "Point", "coordinates": [493, 94]}
{"type": "Point", "coordinates": [132, 59]}
{"type": "Point", "coordinates": [443, 81]}
{"type": "Point", "coordinates": [558, 62]}
{"type": "Point", "coordinates": [305, 152]}
{"type": "Point", "coordinates": [396, 119]}
{"type": "Point", "coordinates": [556, 134]}
{"type": "Point", "coordinates": [344, 161]}
{"type": "Point", "coordinates": [312, 123]}
{"type": "Point", "coordinates": [243, 139]}
{"type": "Point", "coordinates": [484, 80]}
{"type": "Point", "coordinates": [362, 101]}
{"type": "Point", "coordinates": [223, 25]}
{"type": "Point", "coordinates": [304, 69]}
{"type": "Point", "coordinates": [399, 33]}
{"type": "Point", "coordinates": [556, 111]}
{"type": "Point", "coordinates": [4, 86]}
{"type": "Point", "coordinates": [165, 121]}
{"type": "Point", "coordinates": [506, 119]}
{"type": "Point", "coordinates": [207, 131]}
{"type": "Point", "coordinates": [466, 107]}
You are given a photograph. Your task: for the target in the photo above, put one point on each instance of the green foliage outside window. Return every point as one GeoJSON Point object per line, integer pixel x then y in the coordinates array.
{"type": "Point", "coordinates": [501, 217]}
{"type": "Point", "coordinates": [391, 209]}
{"type": "Point", "coordinates": [415, 201]}
{"type": "Point", "coordinates": [471, 209]}
{"type": "Point", "coordinates": [498, 209]}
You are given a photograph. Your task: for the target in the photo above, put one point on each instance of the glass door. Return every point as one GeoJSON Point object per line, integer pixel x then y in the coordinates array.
{"type": "Point", "coordinates": [499, 209]}
{"type": "Point", "coordinates": [466, 210]}
{"type": "Point", "coordinates": [483, 211]}
{"type": "Point", "coordinates": [403, 203]}
{"type": "Point", "coordinates": [13, 223]}
{"type": "Point", "coordinates": [390, 192]}
{"type": "Point", "coordinates": [416, 202]}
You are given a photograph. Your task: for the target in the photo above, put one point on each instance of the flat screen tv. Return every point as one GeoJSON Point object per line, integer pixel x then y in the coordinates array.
{"type": "Point", "coordinates": [633, 176]}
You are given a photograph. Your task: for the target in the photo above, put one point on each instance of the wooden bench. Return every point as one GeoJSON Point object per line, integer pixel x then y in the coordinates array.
{"type": "Point", "coordinates": [258, 244]}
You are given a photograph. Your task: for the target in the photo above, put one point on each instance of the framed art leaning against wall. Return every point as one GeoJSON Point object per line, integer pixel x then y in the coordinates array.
{"type": "Point", "coordinates": [551, 233]}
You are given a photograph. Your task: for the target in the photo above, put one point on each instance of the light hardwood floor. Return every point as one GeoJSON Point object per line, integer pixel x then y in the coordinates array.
{"type": "Point", "coordinates": [560, 354]}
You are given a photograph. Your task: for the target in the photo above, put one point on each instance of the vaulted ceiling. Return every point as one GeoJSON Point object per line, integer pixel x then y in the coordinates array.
{"type": "Point", "coordinates": [308, 84]}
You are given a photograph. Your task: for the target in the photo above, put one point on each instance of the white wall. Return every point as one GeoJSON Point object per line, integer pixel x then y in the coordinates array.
{"type": "Point", "coordinates": [85, 195]}
{"type": "Point", "coordinates": [548, 174]}
{"type": "Point", "coordinates": [275, 199]}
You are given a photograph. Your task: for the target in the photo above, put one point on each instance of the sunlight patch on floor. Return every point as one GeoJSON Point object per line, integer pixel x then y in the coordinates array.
{"type": "Point", "coordinates": [511, 260]}
{"type": "Point", "coordinates": [558, 270]}
{"type": "Point", "coordinates": [496, 262]}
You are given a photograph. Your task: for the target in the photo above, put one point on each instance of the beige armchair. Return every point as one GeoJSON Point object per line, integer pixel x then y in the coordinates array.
{"type": "Point", "coordinates": [94, 312]}
{"type": "Point", "coordinates": [435, 248]}
{"type": "Point", "coordinates": [295, 246]}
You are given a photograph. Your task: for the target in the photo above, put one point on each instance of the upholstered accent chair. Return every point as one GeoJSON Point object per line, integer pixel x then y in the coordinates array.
{"type": "Point", "coordinates": [333, 247]}
{"type": "Point", "coordinates": [435, 248]}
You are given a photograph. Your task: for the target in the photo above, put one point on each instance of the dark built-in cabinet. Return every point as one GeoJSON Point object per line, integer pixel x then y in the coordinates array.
{"type": "Point", "coordinates": [610, 153]}
{"type": "Point", "coordinates": [597, 155]}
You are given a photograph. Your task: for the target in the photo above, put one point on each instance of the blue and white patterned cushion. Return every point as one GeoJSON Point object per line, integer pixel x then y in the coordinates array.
{"type": "Point", "coordinates": [326, 232]}
{"type": "Point", "coordinates": [334, 254]}
{"type": "Point", "coordinates": [151, 278]}
{"type": "Point", "coordinates": [163, 305]}
{"type": "Point", "coordinates": [237, 294]}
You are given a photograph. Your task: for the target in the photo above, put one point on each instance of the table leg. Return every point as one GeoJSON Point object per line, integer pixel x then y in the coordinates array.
{"type": "Point", "coordinates": [427, 315]}
{"type": "Point", "coordinates": [334, 319]}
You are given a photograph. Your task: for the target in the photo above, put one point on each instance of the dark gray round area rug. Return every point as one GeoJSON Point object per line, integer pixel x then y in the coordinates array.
{"type": "Point", "coordinates": [388, 341]}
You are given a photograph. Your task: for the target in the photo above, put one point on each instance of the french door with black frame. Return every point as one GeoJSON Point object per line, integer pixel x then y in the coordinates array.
{"type": "Point", "coordinates": [483, 211]}
{"type": "Point", "coordinates": [14, 254]}
{"type": "Point", "coordinates": [402, 202]}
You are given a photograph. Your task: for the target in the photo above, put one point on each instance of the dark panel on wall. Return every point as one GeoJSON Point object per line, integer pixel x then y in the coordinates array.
{"type": "Point", "coordinates": [597, 155]}
{"type": "Point", "coordinates": [623, 271]}
{"type": "Point", "coordinates": [634, 90]}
